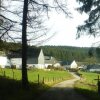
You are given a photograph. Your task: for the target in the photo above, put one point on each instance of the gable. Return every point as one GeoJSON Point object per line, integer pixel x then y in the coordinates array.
{"type": "Point", "coordinates": [41, 58]}
{"type": "Point", "coordinates": [73, 64]}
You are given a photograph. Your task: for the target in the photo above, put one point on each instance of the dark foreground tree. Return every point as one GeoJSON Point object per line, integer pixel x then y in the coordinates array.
{"type": "Point", "coordinates": [24, 46]}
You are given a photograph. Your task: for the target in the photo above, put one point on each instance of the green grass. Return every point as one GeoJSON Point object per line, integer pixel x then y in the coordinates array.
{"type": "Point", "coordinates": [90, 77]}
{"type": "Point", "coordinates": [50, 77]}
{"type": "Point", "coordinates": [9, 73]}
{"type": "Point", "coordinates": [88, 86]}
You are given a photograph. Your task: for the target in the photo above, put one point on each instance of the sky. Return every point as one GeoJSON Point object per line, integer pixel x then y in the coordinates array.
{"type": "Point", "coordinates": [66, 28]}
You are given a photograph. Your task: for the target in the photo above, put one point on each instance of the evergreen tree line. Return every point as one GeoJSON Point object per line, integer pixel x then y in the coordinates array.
{"type": "Point", "coordinates": [61, 53]}
{"type": "Point", "coordinates": [9, 46]}
{"type": "Point", "coordinates": [67, 53]}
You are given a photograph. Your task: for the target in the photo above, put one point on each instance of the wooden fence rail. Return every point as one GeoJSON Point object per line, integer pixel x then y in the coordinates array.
{"type": "Point", "coordinates": [40, 79]}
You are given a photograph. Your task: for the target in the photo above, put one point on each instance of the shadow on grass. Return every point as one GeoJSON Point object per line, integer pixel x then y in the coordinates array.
{"type": "Point", "coordinates": [12, 90]}
{"type": "Point", "coordinates": [88, 91]}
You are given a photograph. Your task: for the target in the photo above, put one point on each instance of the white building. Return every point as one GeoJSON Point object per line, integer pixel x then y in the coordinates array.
{"type": "Point", "coordinates": [35, 59]}
{"type": "Point", "coordinates": [4, 62]}
{"type": "Point", "coordinates": [73, 65]}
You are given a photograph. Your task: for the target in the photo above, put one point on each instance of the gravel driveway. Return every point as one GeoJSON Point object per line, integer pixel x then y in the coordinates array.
{"type": "Point", "coordinates": [63, 91]}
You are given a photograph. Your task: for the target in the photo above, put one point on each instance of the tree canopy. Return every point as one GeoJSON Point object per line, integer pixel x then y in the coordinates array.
{"type": "Point", "coordinates": [92, 25]}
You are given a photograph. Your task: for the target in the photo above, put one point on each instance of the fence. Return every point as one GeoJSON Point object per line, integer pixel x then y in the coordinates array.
{"type": "Point", "coordinates": [50, 80]}
{"type": "Point", "coordinates": [38, 78]}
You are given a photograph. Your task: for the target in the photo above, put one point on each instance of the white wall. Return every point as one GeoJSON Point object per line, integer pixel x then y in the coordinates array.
{"type": "Point", "coordinates": [41, 58]}
{"type": "Point", "coordinates": [4, 61]}
{"type": "Point", "coordinates": [57, 65]}
{"type": "Point", "coordinates": [17, 62]}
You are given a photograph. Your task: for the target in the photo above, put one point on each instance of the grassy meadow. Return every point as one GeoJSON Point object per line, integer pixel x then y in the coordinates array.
{"type": "Point", "coordinates": [88, 85]}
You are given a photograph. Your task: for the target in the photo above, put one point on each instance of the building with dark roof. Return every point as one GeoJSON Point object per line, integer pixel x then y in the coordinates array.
{"type": "Point", "coordinates": [35, 58]}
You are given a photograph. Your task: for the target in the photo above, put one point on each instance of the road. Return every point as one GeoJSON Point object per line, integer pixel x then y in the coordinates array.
{"type": "Point", "coordinates": [63, 91]}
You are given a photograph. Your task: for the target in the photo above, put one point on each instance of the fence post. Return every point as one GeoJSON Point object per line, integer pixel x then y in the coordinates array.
{"type": "Point", "coordinates": [98, 83]}
{"type": "Point", "coordinates": [38, 79]}
{"type": "Point", "coordinates": [62, 78]}
{"type": "Point", "coordinates": [43, 80]}
{"type": "Point", "coordinates": [53, 79]}
{"type": "Point", "coordinates": [13, 73]}
{"type": "Point", "coordinates": [4, 73]}
{"type": "Point", "coordinates": [48, 79]}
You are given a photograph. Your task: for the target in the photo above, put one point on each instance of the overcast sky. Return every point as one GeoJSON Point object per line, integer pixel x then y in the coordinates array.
{"type": "Point", "coordinates": [65, 28]}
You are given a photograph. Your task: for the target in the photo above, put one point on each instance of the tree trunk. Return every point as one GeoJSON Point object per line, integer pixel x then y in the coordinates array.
{"type": "Point", "coordinates": [24, 46]}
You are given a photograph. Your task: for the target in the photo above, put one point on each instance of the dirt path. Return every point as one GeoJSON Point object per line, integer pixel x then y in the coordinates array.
{"type": "Point", "coordinates": [63, 91]}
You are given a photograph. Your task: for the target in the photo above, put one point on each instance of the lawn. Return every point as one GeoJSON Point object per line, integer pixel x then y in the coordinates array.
{"type": "Point", "coordinates": [88, 85]}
